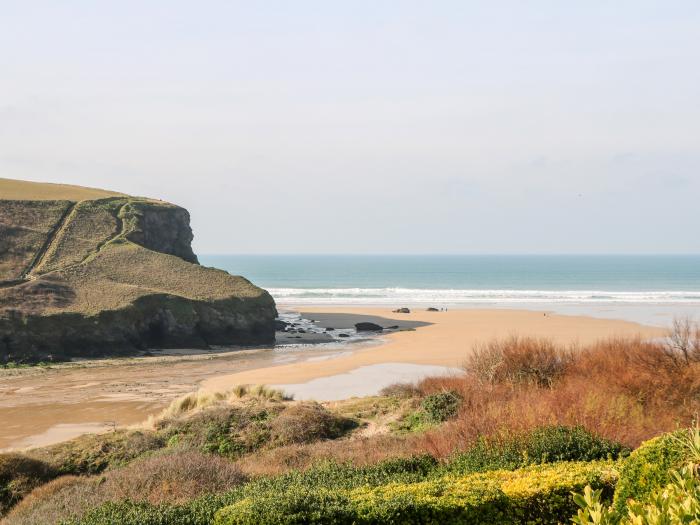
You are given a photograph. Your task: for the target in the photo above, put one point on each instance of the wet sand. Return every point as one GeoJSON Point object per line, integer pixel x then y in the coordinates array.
{"type": "Point", "coordinates": [445, 339]}
{"type": "Point", "coordinates": [40, 407]}
{"type": "Point", "coordinates": [43, 406]}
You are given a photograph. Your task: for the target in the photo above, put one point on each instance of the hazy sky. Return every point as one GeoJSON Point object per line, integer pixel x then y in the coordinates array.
{"type": "Point", "coordinates": [369, 126]}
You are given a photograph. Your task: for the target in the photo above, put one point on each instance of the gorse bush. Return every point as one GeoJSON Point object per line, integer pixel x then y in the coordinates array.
{"type": "Point", "coordinates": [542, 445]}
{"type": "Point", "coordinates": [649, 468]}
{"type": "Point", "coordinates": [441, 406]}
{"type": "Point", "coordinates": [662, 494]}
{"type": "Point", "coordinates": [433, 409]}
{"type": "Point", "coordinates": [534, 495]}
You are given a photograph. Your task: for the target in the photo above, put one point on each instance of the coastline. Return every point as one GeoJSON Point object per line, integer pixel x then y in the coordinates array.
{"type": "Point", "coordinates": [54, 405]}
{"type": "Point", "coordinates": [444, 341]}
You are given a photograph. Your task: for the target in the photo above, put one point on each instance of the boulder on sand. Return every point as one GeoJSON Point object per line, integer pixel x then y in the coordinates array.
{"type": "Point", "coordinates": [368, 327]}
{"type": "Point", "coordinates": [432, 309]}
{"type": "Point", "coordinates": [403, 310]}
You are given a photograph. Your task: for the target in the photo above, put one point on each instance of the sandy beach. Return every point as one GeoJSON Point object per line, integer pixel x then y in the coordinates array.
{"type": "Point", "coordinates": [440, 339]}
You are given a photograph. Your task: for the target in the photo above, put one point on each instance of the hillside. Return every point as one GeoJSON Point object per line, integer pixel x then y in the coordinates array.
{"type": "Point", "coordinates": [87, 272]}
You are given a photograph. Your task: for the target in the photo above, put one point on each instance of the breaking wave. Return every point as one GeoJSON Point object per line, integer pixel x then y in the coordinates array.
{"type": "Point", "coordinates": [456, 296]}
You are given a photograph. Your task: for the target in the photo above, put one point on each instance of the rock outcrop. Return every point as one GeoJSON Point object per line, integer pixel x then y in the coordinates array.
{"type": "Point", "coordinates": [91, 273]}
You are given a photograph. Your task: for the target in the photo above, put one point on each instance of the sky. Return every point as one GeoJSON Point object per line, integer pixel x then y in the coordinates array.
{"type": "Point", "coordinates": [372, 126]}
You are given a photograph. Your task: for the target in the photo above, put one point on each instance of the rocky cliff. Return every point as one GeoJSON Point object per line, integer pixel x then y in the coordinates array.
{"type": "Point", "coordinates": [90, 273]}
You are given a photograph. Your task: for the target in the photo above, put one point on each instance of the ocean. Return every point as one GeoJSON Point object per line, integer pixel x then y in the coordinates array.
{"type": "Point", "coordinates": [440, 280]}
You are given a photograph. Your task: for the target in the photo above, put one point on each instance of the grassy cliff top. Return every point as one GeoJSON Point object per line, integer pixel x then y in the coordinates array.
{"type": "Point", "coordinates": [11, 189]}
{"type": "Point", "coordinates": [82, 250]}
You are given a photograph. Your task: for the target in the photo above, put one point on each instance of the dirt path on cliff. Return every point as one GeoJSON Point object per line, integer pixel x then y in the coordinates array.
{"type": "Point", "coordinates": [50, 238]}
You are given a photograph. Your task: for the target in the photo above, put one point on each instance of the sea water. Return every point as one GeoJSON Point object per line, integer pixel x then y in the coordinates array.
{"type": "Point", "coordinates": [622, 286]}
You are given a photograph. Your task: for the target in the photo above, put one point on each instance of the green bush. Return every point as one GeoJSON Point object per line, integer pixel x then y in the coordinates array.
{"type": "Point", "coordinates": [643, 498]}
{"type": "Point", "coordinates": [299, 506]}
{"type": "Point", "coordinates": [649, 468]}
{"type": "Point", "coordinates": [441, 406]}
{"type": "Point", "coordinates": [20, 474]}
{"type": "Point", "coordinates": [325, 476]}
{"type": "Point", "coordinates": [537, 495]}
{"type": "Point", "coordinates": [235, 430]}
{"type": "Point", "coordinates": [542, 445]}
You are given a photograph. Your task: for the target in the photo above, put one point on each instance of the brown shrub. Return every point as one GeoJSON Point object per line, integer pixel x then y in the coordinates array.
{"type": "Point", "coordinates": [518, 360]}
{"type": "Point", "coordinates": [308, 422]}
{"type": "Point", "coordinates": [682, 344]}
{"type": "Point", "coordinates": [19, 474]}
{"type": "Point", "coordinates": [162, 478]}
{"type": "Point", "coordinates": [400, 390]}
{"type": "Point", "coordinates": [358, 451]}
{"type": "Point", "coordinates": [172, 478]}
{"type": "Point", "coordinates": [57, 501]}
{"type": "Point", "coordinates": [627, 390]}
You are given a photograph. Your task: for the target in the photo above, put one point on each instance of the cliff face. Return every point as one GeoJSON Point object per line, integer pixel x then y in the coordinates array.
{"type": "Point", "coordinates": [113, 275]}
{"type": "Point", "coordinates": [165, 230]}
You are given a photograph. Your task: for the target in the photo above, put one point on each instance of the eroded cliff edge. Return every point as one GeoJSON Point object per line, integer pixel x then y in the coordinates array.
{"type": "Point", "coordinates": [97, 274]}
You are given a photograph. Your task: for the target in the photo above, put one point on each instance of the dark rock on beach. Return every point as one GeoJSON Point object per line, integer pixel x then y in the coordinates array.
{"type": "Point", "coordinates": [402, 311]}
{"type": "Point", "coordinates": [281, 326]}
{"type": "Point", "coordinates": [432, 309]}
{"type": "Point", "coordinates": [368, 327]}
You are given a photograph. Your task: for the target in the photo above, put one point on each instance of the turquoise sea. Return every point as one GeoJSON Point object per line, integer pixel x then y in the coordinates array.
{"type": "Point", "coordinates": [471, 279]}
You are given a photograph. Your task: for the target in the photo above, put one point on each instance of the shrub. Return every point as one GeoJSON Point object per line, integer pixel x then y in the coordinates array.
{"type": "Point", "coordinates": [400, 390]}
{"type": "Point", "coordinates": [93, 453]}
{"type": "Point", "coordinates": [627, 390]}
{"type": "Point", "coordinates": [172, 478]}
{"type": "Point", "coordinates": [325, 476]}
{"type": "Point", "coordinates": [441, 406]}
{"type": "Point", "coordinates": [542, 445]}
{"type": "Point", "coordinates": [198, 512]}
{"type": "Point", "coordinates": [19, 474]}
{"type": "Point", "coordinates": [532, 495]}
{"type": "Point", "coordinates": [519, 360]}
{"type": "Point", "coordinates": [174, 484]}
{"type": "Point", "coordinates": [301, 506]}
{"type": "Point", "coordinates": [649, 468]}
{"type": "Point", "coordinates": [308, 422]}
{"type": "Point", "coordinates": [675, 502]}
{"type": "Point", "coordinates": [56, 501]}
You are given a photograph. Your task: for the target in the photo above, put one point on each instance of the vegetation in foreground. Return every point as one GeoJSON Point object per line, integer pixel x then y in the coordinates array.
{"type": "Point", "coordinates": [528, 426]}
